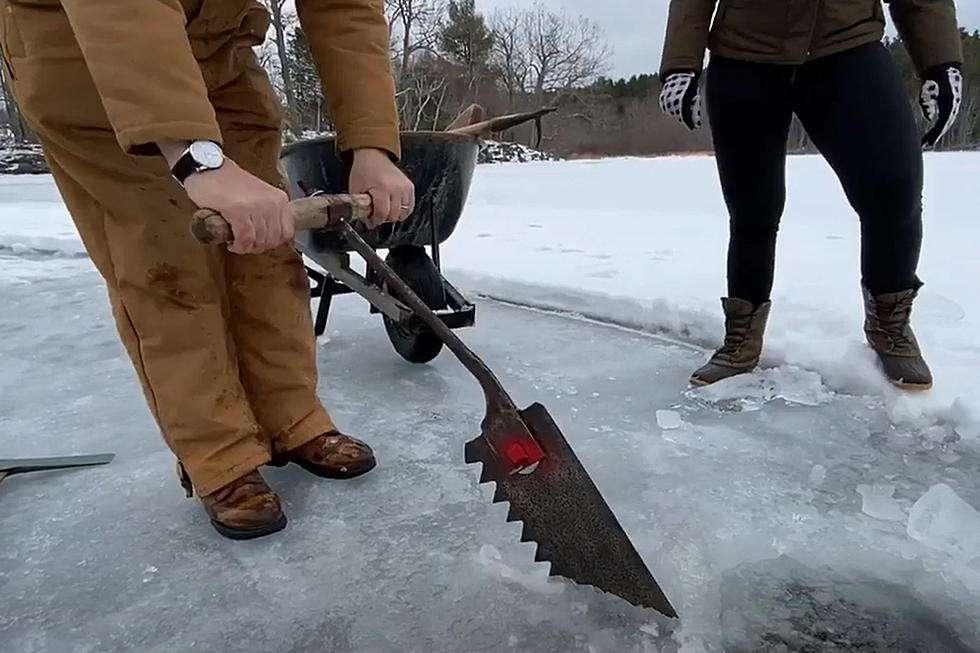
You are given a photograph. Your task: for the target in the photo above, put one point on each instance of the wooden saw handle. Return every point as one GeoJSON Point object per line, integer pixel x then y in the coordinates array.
{"type": "Point", "coordinates": [317, 212]}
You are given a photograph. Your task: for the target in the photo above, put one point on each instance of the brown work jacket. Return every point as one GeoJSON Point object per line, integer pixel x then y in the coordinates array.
{"type": "Point", "coordinates": [797, 31]}
{"type": "Point", "coordinates": [147, 57]}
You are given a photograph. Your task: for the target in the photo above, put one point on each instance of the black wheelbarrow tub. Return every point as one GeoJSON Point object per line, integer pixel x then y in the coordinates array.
{"type": "Point", "coordinates": [440, 165]}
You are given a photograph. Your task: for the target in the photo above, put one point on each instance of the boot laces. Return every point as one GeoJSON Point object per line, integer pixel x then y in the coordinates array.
{"type": "Point", "coordinates": [893, 323]}
{"type": "Point", "coordinates": [735, 333]}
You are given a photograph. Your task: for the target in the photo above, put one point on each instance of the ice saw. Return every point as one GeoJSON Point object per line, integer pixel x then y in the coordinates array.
{"type": "Point", "coordinates": [9, 467]}
{"type": "Point", "coordinates": [522, 451]}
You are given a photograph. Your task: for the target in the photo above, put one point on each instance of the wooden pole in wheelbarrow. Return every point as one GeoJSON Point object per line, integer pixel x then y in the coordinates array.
{"type": "Point", "coordinates": [522, 451]}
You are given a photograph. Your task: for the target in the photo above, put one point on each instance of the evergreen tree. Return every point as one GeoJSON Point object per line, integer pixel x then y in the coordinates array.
{"type": "Point", "coordinates": [466, 39]}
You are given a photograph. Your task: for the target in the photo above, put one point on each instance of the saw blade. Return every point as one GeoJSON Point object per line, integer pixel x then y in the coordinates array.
{"type": "Point", "coordinates": [24, 465]}
{"type": "Point", "coordinates": [565, 515]}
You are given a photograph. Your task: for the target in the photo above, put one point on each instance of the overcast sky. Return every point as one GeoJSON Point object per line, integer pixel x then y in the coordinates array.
{"type": "Point", "coordinates": [635, 28]}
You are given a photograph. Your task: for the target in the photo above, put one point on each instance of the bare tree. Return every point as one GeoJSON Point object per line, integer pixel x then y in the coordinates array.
{"type": "Point", "coordinates": [509, 57]}
{"type": "Point", "coordinates": [280, 22]}
{"type": "Point", "coordinates": [266, 54]}
{"type": "Point", "coordinates": [424, 93]}
{"type": "Point", "coordinates": [563, 53]}
{"type": "Point", "coordinates": [15, 121]}
{"type": "Point", "coordinates": [425, 98]}
{"type": "Point", "coordinates": [414, 28]}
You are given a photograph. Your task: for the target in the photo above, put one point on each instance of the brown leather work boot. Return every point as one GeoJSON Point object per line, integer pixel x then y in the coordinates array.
{"type": "Point", "coordinates": [331, 455]}
{"type": "Point", "coordinates": [745, 326]}
{"type": "Point", "coordinates": [889, 332]}
{"type": "Point", "coordinates": [244, 509]}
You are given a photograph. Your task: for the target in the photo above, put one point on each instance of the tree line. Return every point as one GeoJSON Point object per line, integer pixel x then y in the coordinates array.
{"type": "Point", "coordinates": [446, 55]}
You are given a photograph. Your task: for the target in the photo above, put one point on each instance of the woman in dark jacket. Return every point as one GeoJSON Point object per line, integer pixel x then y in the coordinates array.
{"type": "Point", "coordinates": [823, 61]}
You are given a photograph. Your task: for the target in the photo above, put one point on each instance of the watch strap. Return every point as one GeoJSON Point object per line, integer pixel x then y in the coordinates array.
{"type": "Point", "coordinates": [185, 166]}
{"type": "Point", "coordinates": [188, 163]}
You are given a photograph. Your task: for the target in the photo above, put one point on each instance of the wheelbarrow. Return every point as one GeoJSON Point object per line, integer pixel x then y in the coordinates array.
{"type": "Point", "coordinates": [441, 166]}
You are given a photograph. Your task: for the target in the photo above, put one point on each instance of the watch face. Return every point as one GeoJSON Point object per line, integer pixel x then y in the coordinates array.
{"type": "Point", "coordinates": [207, 154]}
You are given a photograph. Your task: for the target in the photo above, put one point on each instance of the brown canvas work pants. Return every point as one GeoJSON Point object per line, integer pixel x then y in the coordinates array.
{"type": "Point", "coordinates": [222, 343]}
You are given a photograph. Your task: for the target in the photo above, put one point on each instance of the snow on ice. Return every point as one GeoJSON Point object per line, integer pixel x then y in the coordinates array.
{"type": "Point", "coordinates": [806, 507]}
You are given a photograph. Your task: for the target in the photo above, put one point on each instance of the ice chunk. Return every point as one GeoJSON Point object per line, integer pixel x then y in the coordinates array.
{"type": "Point", "coordinates": [692, 645]}
{"type": "Point", "coordinates": [818, 475]}
{"type": "Point", "coordinates": [536, 580]}
{"type": "Point", "coordinates": [489, 554]}
{"type": "Point", "coordinates": [935, 434]}
{"type": "Point", "coordinates": [877, 502]}
{"type": "Point", "coordinates": [651, 629]}
{"type": "Point", "coordinates": [750, 392]}
{"type": "Point", "coordinates": [940, 519]}
{"type": "Point", "coordinates": [669, 419]}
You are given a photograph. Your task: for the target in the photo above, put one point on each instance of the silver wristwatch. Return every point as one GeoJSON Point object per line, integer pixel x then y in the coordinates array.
{"type": "Point", "coordinates": [199, 156]}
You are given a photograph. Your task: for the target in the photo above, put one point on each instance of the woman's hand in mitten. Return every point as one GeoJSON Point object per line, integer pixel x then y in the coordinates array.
{"type": "Point", "coordinates": [681, 98]}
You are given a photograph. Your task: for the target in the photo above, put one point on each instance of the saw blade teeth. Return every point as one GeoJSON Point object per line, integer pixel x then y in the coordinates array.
{"type": "Point", "coordinates": [487, 475]}
{"type": "Point", "coordinates": [475, 450]}
{"type": "Point", "coordinates": [527, 535]}
{"type": "Point", "coordinates": [499, 495]}
{"type": "Point", "coordinates": [542, 554]}
{"type": "Point", "coordinates": [559, 496]}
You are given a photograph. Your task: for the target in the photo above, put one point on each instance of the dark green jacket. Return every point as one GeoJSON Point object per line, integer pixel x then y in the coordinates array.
{"type": "Point", "coordinates": [797, 31]}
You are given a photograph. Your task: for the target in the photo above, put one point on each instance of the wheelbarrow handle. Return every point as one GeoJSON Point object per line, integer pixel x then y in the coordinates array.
{"type": "Point", "coordinates": [317, 212]}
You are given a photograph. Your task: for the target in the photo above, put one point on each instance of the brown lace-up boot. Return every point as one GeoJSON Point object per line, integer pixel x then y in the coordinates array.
{"type": "Point", "coordinates": [244, 509]}
{"type": "Point", "coordinates": [889, 332]}
{"type": "Point", "coordinates": [745, 326]}
{"type": "Point", "coordinates": [331, 455]}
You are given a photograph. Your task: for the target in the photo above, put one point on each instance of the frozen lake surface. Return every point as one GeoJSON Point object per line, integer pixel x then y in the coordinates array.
{"type": "Point", "coordinates": [749, 501]}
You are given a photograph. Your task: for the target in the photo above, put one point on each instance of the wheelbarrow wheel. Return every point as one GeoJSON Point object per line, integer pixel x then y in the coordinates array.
{"type": "Point", "coordinates": [416, 343]}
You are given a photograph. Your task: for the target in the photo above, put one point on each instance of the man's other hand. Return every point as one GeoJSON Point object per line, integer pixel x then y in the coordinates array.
{"type": "Point", "coordinates": [392, 194]}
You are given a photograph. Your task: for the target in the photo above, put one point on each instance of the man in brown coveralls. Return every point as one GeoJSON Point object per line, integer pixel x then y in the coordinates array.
{"type": "Point", "coordinates": [148, 110]}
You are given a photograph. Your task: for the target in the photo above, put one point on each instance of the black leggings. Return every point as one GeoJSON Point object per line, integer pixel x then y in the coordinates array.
{"type": "Point", "coordinates": [856, 111]}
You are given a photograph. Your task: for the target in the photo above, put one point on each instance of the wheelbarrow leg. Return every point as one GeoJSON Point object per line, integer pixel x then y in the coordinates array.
{"type": "Point", "coordinates": [435, 247]}
{"type": "Point", "coordinates": [322, 311]}
{"type": "Point", "coordinates": [323, 297]}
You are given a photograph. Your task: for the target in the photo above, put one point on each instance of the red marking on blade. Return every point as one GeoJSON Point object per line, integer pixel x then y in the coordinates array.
{"type": "Point", "coordinates": [522, 452]}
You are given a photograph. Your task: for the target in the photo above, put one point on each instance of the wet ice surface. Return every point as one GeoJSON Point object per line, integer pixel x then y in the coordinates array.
{"type": "Point", "coordinates": [748, 512]}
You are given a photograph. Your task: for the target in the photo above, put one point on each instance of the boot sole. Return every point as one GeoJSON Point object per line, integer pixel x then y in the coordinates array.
{"type": "Point", "coordinates": [899, 383]}
{"type": "Point", "coordinates": [250, 533]}
{"type": "Point", "coordinates": [912, 387]}
{"type": "Point", "coordinates": [701, 383]}
{"type": "Point", "coordinates": [336, 474]}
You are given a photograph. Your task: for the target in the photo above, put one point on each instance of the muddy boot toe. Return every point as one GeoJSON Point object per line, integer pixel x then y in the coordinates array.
{"type": "Point", "coordinates": [244, 509]}
{"type": "Point", "coordinates": [331, 455]}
